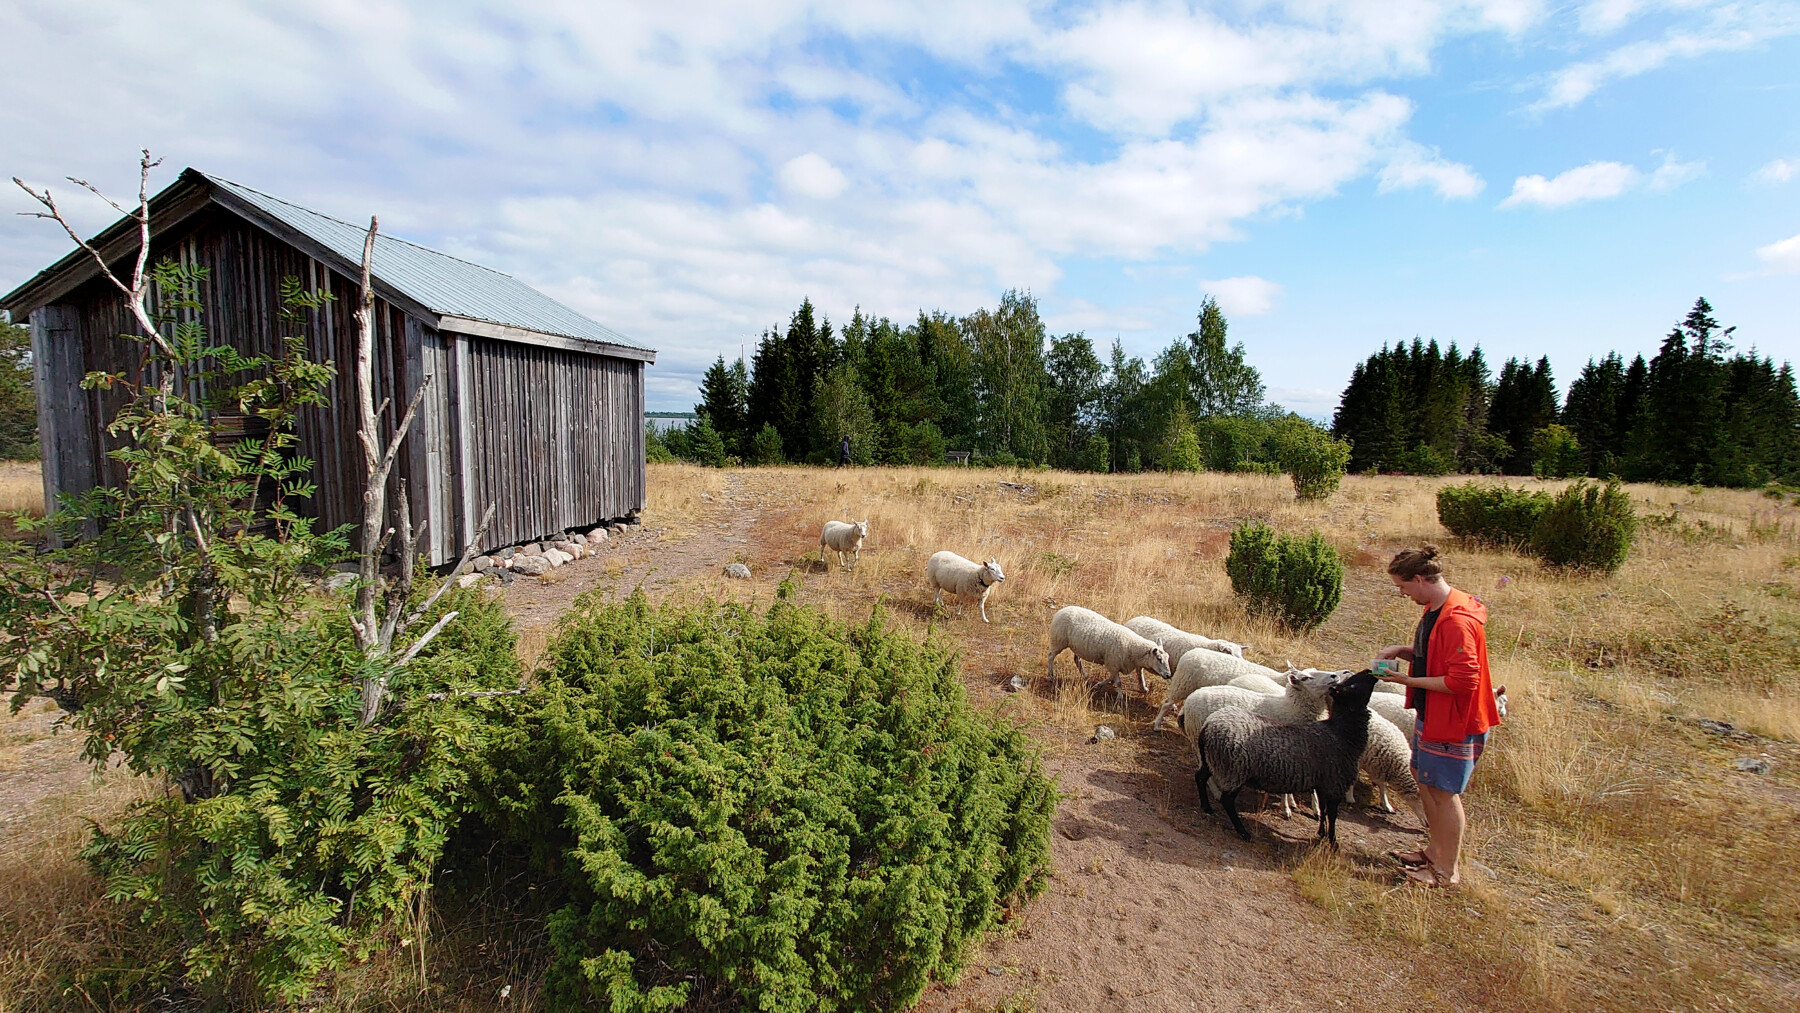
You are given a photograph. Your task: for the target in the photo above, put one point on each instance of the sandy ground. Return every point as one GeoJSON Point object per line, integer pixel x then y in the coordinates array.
{"type": "Point", "coordinates": [1152, 905]}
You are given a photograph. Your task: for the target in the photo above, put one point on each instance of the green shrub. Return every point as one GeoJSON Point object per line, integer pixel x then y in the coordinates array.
{"type": "Point", "coordinates": [765, 447]}
{"type": "Point", "coordinates": [1556, 453]}
{"type": "Point", "coordinates": [1425, 459]}
{"type": "Point", "coordinates": [1296, 581]}
{"type": "Point", "coordinates": [1588, 527]}
{"type": "Point", "coordinates": [656, 451]}
{"type": "Point", "coordinates": [771, 811]}
{"type": "Point", "coordinates": [1495, 514]}
{"type": "Point", "coordinates": [1314, 460]}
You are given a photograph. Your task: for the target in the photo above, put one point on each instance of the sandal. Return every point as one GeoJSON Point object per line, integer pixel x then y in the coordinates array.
{"type": "Point", "coordinates": [1429, 876]}
{"type": "Point", "coordinates": [1410, 859]}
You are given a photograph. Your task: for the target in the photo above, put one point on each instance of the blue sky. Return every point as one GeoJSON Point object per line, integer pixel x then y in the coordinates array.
{"type": "Point", "coordinates": [1538, 178]}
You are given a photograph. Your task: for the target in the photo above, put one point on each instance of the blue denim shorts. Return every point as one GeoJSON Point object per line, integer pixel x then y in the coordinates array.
{"type": "Point", "coordinates": [1446, 766]}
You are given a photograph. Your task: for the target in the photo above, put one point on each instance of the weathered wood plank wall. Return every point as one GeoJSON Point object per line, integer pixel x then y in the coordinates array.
{"type": "Point", "coordinates": [557, 438]}
{"type": "Point", "coordinates": [553, 438]}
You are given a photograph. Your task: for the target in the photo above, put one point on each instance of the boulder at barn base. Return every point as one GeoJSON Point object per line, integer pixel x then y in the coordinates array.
{"type": "Point", "coordinates": [531, 566]}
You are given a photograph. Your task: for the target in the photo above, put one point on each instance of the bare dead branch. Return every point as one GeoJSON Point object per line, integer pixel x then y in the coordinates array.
{"type": "Point", "coordinates": [480, 694]}
{"type": "Point", "coordinates": [461, 564]}
{"type": "Point", "coordinates": [140, 282]}
{"type": "Point", "coordinates": [430, 634]}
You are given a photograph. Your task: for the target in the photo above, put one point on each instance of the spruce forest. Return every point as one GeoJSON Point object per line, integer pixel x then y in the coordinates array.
{"type": "Point", "coordinates": [1696, 412]}
{"type": "Point", "coordinates": [993, 383]}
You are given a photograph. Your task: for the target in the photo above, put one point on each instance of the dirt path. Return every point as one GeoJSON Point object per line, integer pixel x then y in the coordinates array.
{"type": "Point", "coordinates": [1153, 905]}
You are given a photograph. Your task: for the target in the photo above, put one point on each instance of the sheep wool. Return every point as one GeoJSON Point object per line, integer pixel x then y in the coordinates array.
{"type": "Point", "coordinates": [1178, 641]}
{"type": "Point", "coordinates": [1259, 683]}
{"type": "Point", "coordinates": [1240, 749]}
{"type": "Point", "coordinates": [1206, 668]}
{"type": "Point", "coordinates": [1304, 699]}
{"type": "Point", "coordinates": [965, 578]}
{"type": "Point", "coordinates": [842, 537]}
{"type": "Point", "coordinates": [1093, 637]}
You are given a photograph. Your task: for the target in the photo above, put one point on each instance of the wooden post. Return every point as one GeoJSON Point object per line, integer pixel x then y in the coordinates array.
{"type": "Point", "coordinates": [464, 416]}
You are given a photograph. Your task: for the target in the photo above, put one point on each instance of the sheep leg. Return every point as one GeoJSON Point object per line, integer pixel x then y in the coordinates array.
{"type": "Point", "coordinates": [1200, 777]}
{"type": "Point", "coordinates": [1228, 799]}
{"type": "Point", "coordinates": [939, 600]}
{"type": "Point", "coordinates": [1050, 675]}
{"type": "Point", "coordinates": [1168, 705]}
{"type": "Point", "coordinates": [1329, 819]}
{"type": "Point", "coordinates": [984, 617]}
{"type": "Point", "coordinates": [1143, 684]}
{"type": "Point", "coordinates": [1386, 806]}
{"type": "Point", "coordinates": [1078, 669]}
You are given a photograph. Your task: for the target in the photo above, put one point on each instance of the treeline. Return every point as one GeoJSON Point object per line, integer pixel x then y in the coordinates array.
{"type": "Point", "coordinates": [995, 384]}
{"type": "Point", "coordinates": [1695, 412]}
{"type": "Point", "coordinates": [18, 405]}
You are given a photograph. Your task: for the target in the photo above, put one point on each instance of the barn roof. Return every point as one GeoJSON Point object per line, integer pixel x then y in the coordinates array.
{"type": "Point", "coordinates": [465, 297]}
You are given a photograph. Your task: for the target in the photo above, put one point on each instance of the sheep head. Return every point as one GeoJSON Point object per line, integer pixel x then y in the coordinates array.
{"type": "Point", "coordinates": [992, 568]}
{"type": "Point", "coordinates": [862, 528]}
{"type": "Point", "coordinates": [1157, 660]}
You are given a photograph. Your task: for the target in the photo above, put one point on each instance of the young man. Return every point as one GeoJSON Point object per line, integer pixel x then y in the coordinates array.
{"type": "Point", "coordinates": [1448, 686]}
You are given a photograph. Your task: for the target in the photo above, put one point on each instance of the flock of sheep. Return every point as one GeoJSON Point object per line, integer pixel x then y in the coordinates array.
{"type": "Point", "coordinates": [1302, 732]}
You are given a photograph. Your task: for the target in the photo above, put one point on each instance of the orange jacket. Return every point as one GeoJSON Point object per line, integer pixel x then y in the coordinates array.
{"type": "Point", "coordinates": [1457, 652]}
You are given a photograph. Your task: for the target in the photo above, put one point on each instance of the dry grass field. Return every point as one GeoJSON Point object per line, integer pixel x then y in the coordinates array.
{"type": "Point", "coordinates": [21, 489]}
{"type": "Point", "coordinates": [1624, 861]}
{"type": "Point", "coordinates": [1621, 859]}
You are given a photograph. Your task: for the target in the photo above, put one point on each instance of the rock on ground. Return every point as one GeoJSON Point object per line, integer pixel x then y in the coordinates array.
{"type": "Point", "coordinates": [738, 570]}
{"type": "Point", "coordinates": [531, 566]}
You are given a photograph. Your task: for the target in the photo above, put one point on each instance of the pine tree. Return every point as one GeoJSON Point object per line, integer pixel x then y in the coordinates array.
{"type": "Point", "coordinates": [18, 402]}
{"type": "Point", "coordinates": [1219, 381]}
{"type": "Point", "coordinates": [1121, 410]}
{"type": "Point", "coordinates": [1524, 402]}
{"type": "Point", "coordinates": [773, 387]}
{"type": "Point", "coordinates": [1591, 412]}
{"type": "Point", "coordinates": [724, 397]}
{"type": "Point", "coordinates": [1678, 423]}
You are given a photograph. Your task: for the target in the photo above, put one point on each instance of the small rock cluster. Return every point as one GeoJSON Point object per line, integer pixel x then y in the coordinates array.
{"type": "Point", "coordinates": [534, 559]}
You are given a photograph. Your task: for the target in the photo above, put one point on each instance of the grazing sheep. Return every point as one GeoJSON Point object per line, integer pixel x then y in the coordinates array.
{"type": "Point", "coordinates": [1178, 641]}
{"type": "Point", "coordinates": [1387, 763]}
{"type": "Point", "coordinates": [1206, 668]}
{"type": "Point", "coordinates": [1258, 682]}
{"type": "Point", "coordinates": [947, 571]}
{"type": "Point", "coordinates": [1301, 698]}
{"type": "Point", "coordinates": [842, 537]}
{"type": "Point", "coordinates": [1239, 749]}
{"type": "Point", "coordinates": [1095, 638]}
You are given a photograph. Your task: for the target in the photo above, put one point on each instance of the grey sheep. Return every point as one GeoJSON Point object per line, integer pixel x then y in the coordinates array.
{"type": "Point", "coordinates": [1095, 638]}
{"type": "Point", "coordinates": [1239, 750]}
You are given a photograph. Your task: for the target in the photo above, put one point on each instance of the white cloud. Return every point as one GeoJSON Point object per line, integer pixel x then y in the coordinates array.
{"type": "Point", "coordinates": [809, 175]}
{"type": "Point", "coordinates": [1243, 296]}
{"type": "Point", "coordinates": [1594, 181]}
{"type": "Point", "coordinates": [1415, 166]}
{"type": "Point", "coordinates": [1599, 181]}
{"type": "Point", "coordinates": [1781, 257]}
{"type": "Point", "coordinates": [1672, 174]}
{"type": "Point", "coordinates": [1778, 171]}
{"type": "Point", "coordinates": [1730, 27]}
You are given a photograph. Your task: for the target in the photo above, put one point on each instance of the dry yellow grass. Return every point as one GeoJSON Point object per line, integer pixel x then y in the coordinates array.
{"type": "Point", "coordinates": [21, 489]}
{"type": "Point", "coordinates": [1634, 867]}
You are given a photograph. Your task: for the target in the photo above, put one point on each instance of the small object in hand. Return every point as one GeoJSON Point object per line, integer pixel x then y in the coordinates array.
{"type": "Point", "coordinates": [1386, 666]}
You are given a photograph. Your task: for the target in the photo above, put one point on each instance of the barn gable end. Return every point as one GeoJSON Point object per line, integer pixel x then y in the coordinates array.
{"type": "Point", "coordinates": [532, 407]}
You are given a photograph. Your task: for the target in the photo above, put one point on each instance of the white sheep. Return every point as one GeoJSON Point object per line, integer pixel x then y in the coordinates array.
{"type": "Point", "coordinates": [947, 571]}
{"type": "Point", "coordinates": [1206, 668]}
{"type": "Point", "coordinates": [1387, 763]}
{"type": "Point", "coordinates": [1258, 682]}
{"type": "Point", "coordinates": [1093, 637]}
{"type": "Point", "coordinates": [1178, 641]}
{"type": "Point", "coordinates": [842, 537]}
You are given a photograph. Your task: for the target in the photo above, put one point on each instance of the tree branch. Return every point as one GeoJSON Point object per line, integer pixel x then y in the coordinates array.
{"type": "Point", "coordinates": [468, 554]}
{"type": "Point", "coordinates": [430, 634]}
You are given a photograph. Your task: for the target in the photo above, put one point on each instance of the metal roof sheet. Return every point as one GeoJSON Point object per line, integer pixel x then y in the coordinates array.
{"type": "Point", "coordinates": [444, 284]}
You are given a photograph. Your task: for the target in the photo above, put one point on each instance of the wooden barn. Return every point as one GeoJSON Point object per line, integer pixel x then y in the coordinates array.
{"type": "Point", "coordinates": [532, 407]}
